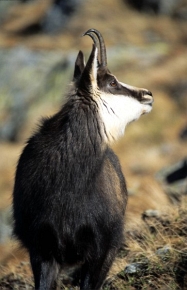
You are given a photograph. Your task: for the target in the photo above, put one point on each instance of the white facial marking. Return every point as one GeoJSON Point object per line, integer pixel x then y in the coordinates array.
{"type": "Point", "coordinates": [117, 111]}
{"type": "Point", "coordinates": [93, 74]}
{"type": "Point", "coordinates": [131, 88]}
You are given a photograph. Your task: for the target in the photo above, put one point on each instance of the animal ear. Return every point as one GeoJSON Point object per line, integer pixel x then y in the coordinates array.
{"type": "Point", "coordinates": [88, 79]}
{"type": "Point", "coordinates": [79, 66]}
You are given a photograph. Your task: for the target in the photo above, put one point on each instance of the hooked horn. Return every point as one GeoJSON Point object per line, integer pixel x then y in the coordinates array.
{"type": "Point", "coordinates": [95, 40]}
{"type": "Point", "coordinates": [101, 43]}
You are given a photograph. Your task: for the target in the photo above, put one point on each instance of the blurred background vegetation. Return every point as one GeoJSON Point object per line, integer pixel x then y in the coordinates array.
{"type": "Point", "coordinates": [146, 44]}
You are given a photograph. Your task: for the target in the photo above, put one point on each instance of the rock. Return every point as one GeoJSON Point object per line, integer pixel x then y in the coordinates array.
{"type": "Point", "coordinates": [174, 179]}
{"type": "Point", "coordinates": [178, 173]}
{"type": "Point", "coordinates": [155, 220]}
{"type": "Point", "coordinates": [164, 252]}
{"type": "Point", "coordinates": [149, 217]}
{"type": "Point", "coordinates": [132, 268]}
{"type": "Point", "coordinates": [135, 268]}
{"type": "Point", "coordinates": [151, 213]}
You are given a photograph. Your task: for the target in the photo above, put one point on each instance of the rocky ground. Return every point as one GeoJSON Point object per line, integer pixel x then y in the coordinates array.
{"type": "Point", "coordinates": [144, 49]}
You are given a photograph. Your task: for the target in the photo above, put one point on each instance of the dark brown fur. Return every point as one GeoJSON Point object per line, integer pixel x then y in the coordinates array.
{"type": "Point", "coordinates": [70, 195]}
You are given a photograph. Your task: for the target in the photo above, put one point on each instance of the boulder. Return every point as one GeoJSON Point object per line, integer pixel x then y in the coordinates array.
{"type": "Point", "coordinates": [174, 179]}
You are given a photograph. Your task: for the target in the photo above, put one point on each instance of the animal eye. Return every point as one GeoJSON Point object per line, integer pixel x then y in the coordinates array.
{"type": "Point", "coordinates": [113, 83]}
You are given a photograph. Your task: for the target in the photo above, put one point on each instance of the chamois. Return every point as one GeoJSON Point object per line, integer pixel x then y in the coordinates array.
{"type": "Point", "coordinates": [70, 194]}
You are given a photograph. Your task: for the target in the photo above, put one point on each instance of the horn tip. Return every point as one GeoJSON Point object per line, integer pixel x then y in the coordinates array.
{"type": "Point", "coordinates": [88, 31]}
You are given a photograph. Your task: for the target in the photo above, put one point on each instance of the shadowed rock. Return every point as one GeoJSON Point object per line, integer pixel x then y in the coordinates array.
{"type": "Point", "coordinates": [174, 179]}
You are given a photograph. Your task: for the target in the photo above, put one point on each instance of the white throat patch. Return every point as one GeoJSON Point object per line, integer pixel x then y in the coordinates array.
{"type": "Point", "coordinates": [117, 111]}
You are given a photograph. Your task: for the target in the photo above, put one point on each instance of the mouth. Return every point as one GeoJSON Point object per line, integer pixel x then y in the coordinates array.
{"type": "Point", "coordinates": [148, 100]}
{"type": "Point", "coordinates": [147, 107]}
{"type": "Point", "coordinates": [150, 104]}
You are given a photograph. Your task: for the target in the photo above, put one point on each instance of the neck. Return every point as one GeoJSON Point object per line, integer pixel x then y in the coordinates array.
{"type": "Point", "coordinates": [82, 140]}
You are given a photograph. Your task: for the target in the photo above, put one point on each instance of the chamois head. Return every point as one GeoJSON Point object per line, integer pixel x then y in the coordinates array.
{"type": "Point", "coordinates": [118, 103]}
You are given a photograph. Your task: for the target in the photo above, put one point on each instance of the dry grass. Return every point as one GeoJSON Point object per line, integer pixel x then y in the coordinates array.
{"type": "Point", "coordinates": [158, 248]}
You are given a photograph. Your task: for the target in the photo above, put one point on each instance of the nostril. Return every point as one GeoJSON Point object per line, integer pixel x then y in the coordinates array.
{"type": "Point", "coordinates": [147, 93]}
{"type": "Point", "coordinates": [147, 97]}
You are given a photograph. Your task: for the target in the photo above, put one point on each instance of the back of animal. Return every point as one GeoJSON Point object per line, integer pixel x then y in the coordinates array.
{"type": "Point", "coordinates": [70, 194]}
